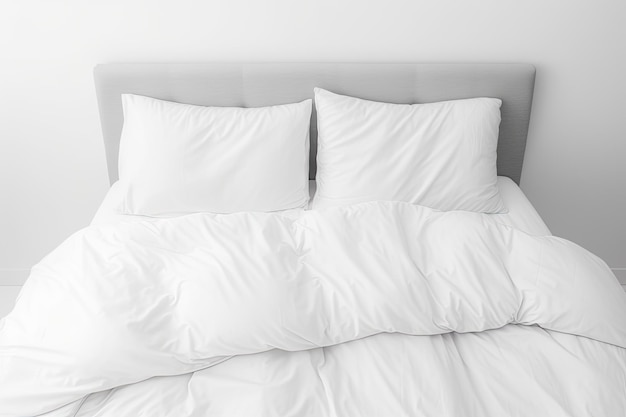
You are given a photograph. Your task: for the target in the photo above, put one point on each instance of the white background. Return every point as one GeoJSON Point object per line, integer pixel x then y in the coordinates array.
{"type": "Point", "coordinates": [52, 164]}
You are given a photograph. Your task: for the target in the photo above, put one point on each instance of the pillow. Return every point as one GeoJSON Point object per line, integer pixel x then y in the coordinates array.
{"type": "Point", "coordinates": [179, 158]}
{"type": "Point", "coordinates": [440, 155]}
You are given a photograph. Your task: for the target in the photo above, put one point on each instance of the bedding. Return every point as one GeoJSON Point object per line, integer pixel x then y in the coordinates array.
{"type": "Point", "coordinates": [377, 308]}
{"type": "Point", "coordinates": [370, 151]}
{"type": "Point", "coordinates": [520, 212]}
{"type": "Point", "coordinates": [178, 158]}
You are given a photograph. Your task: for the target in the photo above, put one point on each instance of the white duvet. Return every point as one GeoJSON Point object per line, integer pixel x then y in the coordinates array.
{"type": "Point", "coordinates": [375, 309]}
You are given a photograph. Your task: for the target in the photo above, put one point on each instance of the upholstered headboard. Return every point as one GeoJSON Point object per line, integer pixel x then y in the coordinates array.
{"type": "Point", "coordinates": [253, 85]}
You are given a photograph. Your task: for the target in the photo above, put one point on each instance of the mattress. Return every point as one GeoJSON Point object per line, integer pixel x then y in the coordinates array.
{"type": "Point", "coordinates": [521, 213]}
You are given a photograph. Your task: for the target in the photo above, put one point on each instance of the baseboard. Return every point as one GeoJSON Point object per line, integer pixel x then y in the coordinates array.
{"type": "Point", "coordinates": [13, 276]}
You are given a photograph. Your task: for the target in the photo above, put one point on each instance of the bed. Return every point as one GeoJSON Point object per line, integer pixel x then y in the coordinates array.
{"type": "Point", "coordinates": [360, 294]}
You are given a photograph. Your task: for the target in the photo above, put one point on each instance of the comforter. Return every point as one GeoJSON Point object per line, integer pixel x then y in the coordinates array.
{"type": "Point", "coordinates": [374, 309]}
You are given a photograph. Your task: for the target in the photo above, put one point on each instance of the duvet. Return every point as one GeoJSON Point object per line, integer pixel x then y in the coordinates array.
{"type": "Point", "coordinates": [375, 309]}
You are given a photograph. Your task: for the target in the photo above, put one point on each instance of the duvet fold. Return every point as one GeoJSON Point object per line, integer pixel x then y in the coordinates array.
{"type": "Point", "coordinates": [118, 304]}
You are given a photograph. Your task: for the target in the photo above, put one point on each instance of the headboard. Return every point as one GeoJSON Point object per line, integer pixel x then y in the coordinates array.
{"type": "Point", "coordinates": [260, 84]}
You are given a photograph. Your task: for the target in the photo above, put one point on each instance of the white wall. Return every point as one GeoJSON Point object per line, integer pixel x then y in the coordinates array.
{"type": "Point", "coordinates": [52, 165]}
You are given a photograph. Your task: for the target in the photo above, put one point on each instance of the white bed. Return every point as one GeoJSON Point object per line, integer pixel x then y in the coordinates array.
{"type": "Point", "coordinates": [379, 307]}
{"type": "Point", "coordinates": [515, 370]}
{"type": "Point", "coordinates": [391, 374]}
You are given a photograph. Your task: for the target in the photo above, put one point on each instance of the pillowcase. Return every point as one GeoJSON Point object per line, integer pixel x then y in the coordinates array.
{"type": "Point", "coordinates": [179, 158]}
{"type": "Point", "coordinates": [440, 155]}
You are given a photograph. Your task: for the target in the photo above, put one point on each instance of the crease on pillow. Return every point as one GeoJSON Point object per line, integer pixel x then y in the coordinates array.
{"type": "Point", "coordinates": [179, 158]}
{"type": "Point", "coordinates": [440, 155]}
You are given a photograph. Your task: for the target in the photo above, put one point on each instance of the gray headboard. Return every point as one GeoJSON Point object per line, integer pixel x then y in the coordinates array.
{"type": "Point", "coordinates": [253, 85]}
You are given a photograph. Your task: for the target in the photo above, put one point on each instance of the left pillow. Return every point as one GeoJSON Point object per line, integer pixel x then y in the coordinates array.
{"type": "Point", "coordinates": [179, 158]}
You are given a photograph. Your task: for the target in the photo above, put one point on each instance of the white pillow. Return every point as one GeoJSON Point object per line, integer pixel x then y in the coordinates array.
{"type": "Point", "coordinates": [179, 158]}
{"type": "Point", "coordinates": [440, 155]}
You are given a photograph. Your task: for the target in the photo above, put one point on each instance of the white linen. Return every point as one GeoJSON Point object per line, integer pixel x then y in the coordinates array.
{"type": "Point", "coordinates": [520, 214]}
{"type": "Point", "coordinates": [121, 303]}
{"type": "Point", "coordinates": [513, 371]}
{"type": "Point", "coordinates": [178, 158]}
{"type": "Point", "coordinates": [441, 155]}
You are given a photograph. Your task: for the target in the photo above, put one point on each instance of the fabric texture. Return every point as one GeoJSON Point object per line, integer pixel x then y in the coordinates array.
{"type": "Point", "coordinates": [179, 158]}
{"type": "Point", "coordinates": [119, 304]}
{"type": "Point", "coordinates": [520, 212]}
{"type": "Point", "coordinates": [441, 155]}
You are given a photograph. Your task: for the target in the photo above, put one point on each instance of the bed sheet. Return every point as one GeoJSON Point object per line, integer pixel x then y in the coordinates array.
{"type": "Point", "coordinates": [521, 213]}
